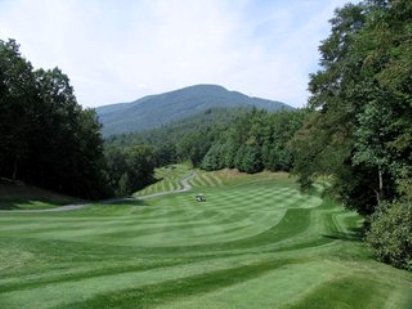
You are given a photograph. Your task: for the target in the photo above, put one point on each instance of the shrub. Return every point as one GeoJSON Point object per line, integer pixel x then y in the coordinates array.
{"type": "Point", "coordinates": [390, 234]}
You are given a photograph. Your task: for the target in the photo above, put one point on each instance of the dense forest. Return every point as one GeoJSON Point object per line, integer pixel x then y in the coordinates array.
{"type": "Point", "coordinates": [258, 140]}
{"type": "Point", "coordinates": [47, 139]}
{"type": "Point", "coordinates": [184, 140]}
{"type": "Point", "coordinates": [247, 139]}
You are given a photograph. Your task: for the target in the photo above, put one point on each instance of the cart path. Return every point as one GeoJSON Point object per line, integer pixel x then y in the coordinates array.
{"type": "Point", "coordinates": [186, 186]}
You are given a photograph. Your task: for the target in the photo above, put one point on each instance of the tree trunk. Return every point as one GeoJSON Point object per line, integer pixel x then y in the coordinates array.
{"type": "Point", "coordinates": [378, 198]}
{"type": "Point", "coordinates": [380, 192]}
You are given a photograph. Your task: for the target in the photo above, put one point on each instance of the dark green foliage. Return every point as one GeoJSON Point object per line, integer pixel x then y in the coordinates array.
{"type": "Point", "coordinates": [256, 140]}
{"type": "Point", "coordinates": [194, 147]}
{"type": "Point", "coordinates": [140, 161]}
{"type": "Point", "coordinates": [390, 234]}
{"type": "Point", "coordinates": [165, 154]}
{"type": "Point", "coordinates": [17, 95]}
{"type": "Point", "coordinates": [229, 150]}
{"type": "Point", "coordinates": [130, 169]}
{"type": "Point", "coordinates": [276, 153]}
{"type": "Point", "coordinates": [143, 114]}
{"type": "Point", "coordinates": [46, 138]}
{"type": "Point", "coordinates": [214, 139]}
{"type": "Point", "coordinates": [124, 185]}
{"type": "Point", "coordinates": [361, 129]}
{"type": "Point", "coordinates": [188, 139]}
{"type": "Point", "coordinates": [248, 159]}
{"type": "Point", "coordinates": [214, 158]}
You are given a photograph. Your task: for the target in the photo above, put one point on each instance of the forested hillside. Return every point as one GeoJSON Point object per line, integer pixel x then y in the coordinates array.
{"type": "Point", "coordinates": [186, 139]}
{"type": "Point", "coordinates": [46, 138]}
{"type": "Point", "coordinates": [249, 140]}
{"type": "Point", "coordinates": [156, 110]}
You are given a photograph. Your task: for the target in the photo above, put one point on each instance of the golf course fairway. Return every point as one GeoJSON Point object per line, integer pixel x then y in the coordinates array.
{"type": "Point", "coordinates": [257, 242]}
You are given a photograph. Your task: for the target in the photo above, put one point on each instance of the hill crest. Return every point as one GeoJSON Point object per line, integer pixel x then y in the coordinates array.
{"type": "Point", "coordinates": [156, 110]}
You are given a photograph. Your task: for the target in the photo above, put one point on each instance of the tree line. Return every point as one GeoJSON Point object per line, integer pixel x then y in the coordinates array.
{"type": "Point", "coordinates": [247, 139]}
{"type": "Point", "coordinates": [47, 139]}
{"type": "Point", "coordinates": [360, 128]}
{"type": "Point", "coordinates": [255, 141]}
{"type": "Point", "coordinates": [184, 140]}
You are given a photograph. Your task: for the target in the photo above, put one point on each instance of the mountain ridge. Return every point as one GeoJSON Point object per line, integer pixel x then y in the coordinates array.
{"type": "Point", "coordinates": [154, 111]}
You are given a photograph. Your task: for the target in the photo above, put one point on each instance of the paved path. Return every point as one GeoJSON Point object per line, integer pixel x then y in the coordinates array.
{"type": "Point", "coordinates": [184, 181]}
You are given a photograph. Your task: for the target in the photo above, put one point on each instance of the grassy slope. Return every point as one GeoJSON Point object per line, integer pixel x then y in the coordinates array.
{"type": "Point", "coordinates": [256, 243]}
{"type": "Point", "coordinates": [168, 180]}
{"type": "Point", "coordinates": [14, 196]}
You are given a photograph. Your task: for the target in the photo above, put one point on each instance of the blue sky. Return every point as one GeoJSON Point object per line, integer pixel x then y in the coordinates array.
{"type": "Point", "coordinates": [118, 51]}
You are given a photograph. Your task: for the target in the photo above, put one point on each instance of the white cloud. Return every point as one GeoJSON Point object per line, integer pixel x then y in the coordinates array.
{"type": "Point", "coordinates": [116, 51]}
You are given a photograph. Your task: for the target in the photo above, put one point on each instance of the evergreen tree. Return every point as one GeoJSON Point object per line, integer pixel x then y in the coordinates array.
{"type": "Point", "coordinates": [248, 159]}
{"type": "Point", "coordinates": [213, 160]}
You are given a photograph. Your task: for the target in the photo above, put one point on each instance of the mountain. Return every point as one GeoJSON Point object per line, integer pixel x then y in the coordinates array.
{"type": "Point", "coordinates": [157, 110]}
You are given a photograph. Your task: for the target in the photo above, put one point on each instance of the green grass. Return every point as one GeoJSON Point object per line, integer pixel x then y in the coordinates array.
{"type": "Point", "coordinates": [256, 243]}
{"type": "Point", "coordinates": [168, 179]}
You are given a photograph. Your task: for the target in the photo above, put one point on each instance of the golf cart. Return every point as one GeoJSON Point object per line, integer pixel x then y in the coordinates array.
{"type": "Point", "coordinates": [200, 198]}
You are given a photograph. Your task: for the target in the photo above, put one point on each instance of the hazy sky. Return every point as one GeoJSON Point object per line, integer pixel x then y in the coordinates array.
{"type": "Point", "coordinates": [120, 50]}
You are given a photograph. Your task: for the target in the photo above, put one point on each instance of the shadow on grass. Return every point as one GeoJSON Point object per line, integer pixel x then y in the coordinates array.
{"type": "Point", "coordinates": [38, 204]}
{"type": "Point", "coordinates": [8, 205]}
{"type": "Point", "coordinates": [24, 204]}
{"type": "Point", "coordinates": [15, 195]}
{"type": "Point", "coordinates": [126, 202]}
{"type": "Point", "coordinates": [354, 234]}
{"type": "Point", "coordinates": [152, 182]}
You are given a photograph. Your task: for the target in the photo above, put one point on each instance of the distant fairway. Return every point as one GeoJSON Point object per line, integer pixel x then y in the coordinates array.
{"type": "Point", "coordinates": [256, 243]}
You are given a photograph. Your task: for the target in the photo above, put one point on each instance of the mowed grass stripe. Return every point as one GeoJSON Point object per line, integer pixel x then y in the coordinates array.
{"type": "Point", "coordinates": [175, 289]}
{"type": "Point", "coordinates": [169, 179]}
{"type": "Point", "coordinates": [133, 233]}
{"type": "Point", "coordinates": [294, 222]}
{"type": "Point", "coordinates": [273, 289]}
{"type": "Point", "coordinates": [172, 251]}
{"type": "Point", "coordinates": [84, 288]}
{"type": "Point", "coordinates": [345, 292]}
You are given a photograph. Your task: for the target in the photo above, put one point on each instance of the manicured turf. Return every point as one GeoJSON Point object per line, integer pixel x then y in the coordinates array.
{"type": "Point", "coordinates": [256, 243]}
{"type": "Point", "coordinates": [168, 180]}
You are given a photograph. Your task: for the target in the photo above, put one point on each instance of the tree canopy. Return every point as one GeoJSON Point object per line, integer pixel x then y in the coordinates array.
{"type": "Point", "coordinates": [47, 139]}
{"type": "Point", "coordinates": [360, 128]}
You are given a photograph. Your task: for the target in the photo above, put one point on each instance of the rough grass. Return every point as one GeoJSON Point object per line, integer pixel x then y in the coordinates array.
{"type": "Point", "coordinates": [256, 243]}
